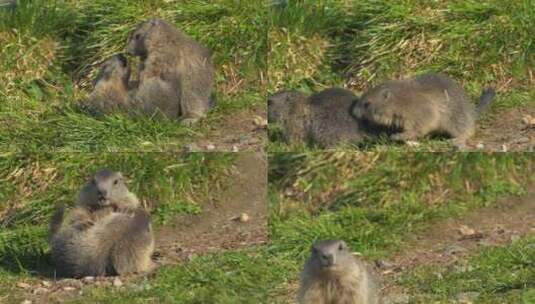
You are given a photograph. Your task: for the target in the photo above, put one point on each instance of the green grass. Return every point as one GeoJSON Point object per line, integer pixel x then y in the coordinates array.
{"type": "Point", "coordinates": [377, 201]}
{"type": "Point", "coordinates": [358, 44]}
{"type": "Point", "coordinates": [499, 275]}
{"type": "Point", "coordinates": [51, 51]}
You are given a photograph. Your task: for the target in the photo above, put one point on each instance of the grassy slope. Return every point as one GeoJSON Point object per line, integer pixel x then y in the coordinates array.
{"type": "Point", "coordinates": [51, 51]}
{"type": "Point", "coordinates": [376, 201]}
{"type": "Point", "coordinates": [318, 44]}
{"type": "Point", "coordinates": [31, 184]}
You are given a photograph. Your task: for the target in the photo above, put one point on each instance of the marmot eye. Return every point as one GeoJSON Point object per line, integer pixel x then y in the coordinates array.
{"type": "Point", "coordinates": [115, 182]}
{"type": "Point", "coordinates": [137, 36]}
{"type": "Point", "coordinates": [341, 247]}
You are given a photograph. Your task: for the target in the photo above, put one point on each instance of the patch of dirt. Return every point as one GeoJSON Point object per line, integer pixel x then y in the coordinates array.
{"type": "Point", "coordinates": [219, 226]}
{"type": "Point", "coordinates": [506, 132]}
{"type": "Point", "coordinates": [243, 131]}
{"type": "Point", "coordinates": [448, 241]}
{"type": "Point", "coordinates": [235, 218]}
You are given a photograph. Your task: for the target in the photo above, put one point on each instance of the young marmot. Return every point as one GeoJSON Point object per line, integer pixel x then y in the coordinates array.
{"type": "Point", "coordinates": [176, 73]}
{"type": "Point", "coordinates": [110, 92]}
{"type": "Point", "coordinates": [430, 103]}
{"type": "Point", "coordinates": [105, 233]}
{"type": "Point", "coordinates": [323, 119]}
{"type": "Point", "coordinates": [116, 244]}
{"type": "Point", "coordinates": [332, 274]}
{"type": "Point", "coordinates": [104, 193]}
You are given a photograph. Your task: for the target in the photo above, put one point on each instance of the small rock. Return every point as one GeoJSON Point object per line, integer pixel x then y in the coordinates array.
{"type": "Point", "coordinates": [189, 148]}
{"type": "Point", "coordinates": [244, 217]}
{"type": "Point", "coordinates": [528, 121]}
{"type": "Point", "coordinates": [88, 279]}
{"type": "Point", "coordinates": [260, 121]}
{"type": "Point", "coordinates": [26, 302]}
{"type": "Point", "coordinates": [466, 231]}
{"type": "Point", "coordinates": [210, 147]}
{"type": "Point", "coordinates": [69, 288]}
{"type": "Point", "coordinates": [413, 144]}
{"type": "Point", "coordinates": [515, 237]}
{"type": "Point", "coordinates": [46, 284]}
{"type": "Point", "coordinates": [23, 285]}
{"type": "Point", "coordinates": [235, 148]}
{"type": "Point", "coordinates": [480, 146]}
{"type": "Point", "coordinates": [467, 297]}
{"type": "Point", "coordinates": [504, 148]}
{"type": "Point", "coordinates": [117, 282]}
{"type": "Point", "coordinates": [384, 264]}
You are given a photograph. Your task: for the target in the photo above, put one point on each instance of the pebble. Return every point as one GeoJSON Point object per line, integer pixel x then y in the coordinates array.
{"type": "Point", "coordinates": [23, 285]}
{"type": "Point", "coordinates": [244, 218]}
{"type": "Point", "coordinates": [69, 288]}
{"type": "Point", "coordinates": [46, 284]}
{"type": "Point", "coordinates": [480, 146]}
{"type": "Point", "coordinates": [117, 282]}
{"type": "Point", "coordinates": [235, 148]}
{"type": "Point", "coordinates": [88, 279]}
{"type": "Point", "coordinates": [210, 147]}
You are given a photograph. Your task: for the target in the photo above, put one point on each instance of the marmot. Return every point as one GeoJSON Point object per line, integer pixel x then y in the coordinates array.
{"type": "Point", "coordinates": [176, 73]}
{"type": "Point", "coordinates": [332, 274]}
{"type": "Point", "coordinates": [104, 193]}
{"type": "Point", "coordinates": [430, 103]}
{"type": "Point", "coordinates": [117, 244]}
{"type": "Point", "coordinates": [323, 119]}
{"type": "Point", "coordinates": [105, 233]}
{"type": "Point", "coordinates": [111, 87]}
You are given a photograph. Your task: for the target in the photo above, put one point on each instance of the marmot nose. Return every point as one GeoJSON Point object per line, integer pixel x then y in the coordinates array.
{"type": "Point", "coordinates": [327, 259]}
{"type": "Point", "coordinates": [366, 104]}
{"type": "Point", "coordinates": [102, 195]}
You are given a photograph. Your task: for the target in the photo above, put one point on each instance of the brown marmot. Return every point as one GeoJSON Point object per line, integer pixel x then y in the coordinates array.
{"type": "Point", "coordinates": [176, 73]}
{"type": "Point", "coordinates": [430, 103]}
{"type": "Point", "coordinates": [117, 244]}
{"type": "Point", "coordinates": [323, 119]}
{"type": "Point", "coordinates": [105, 233]}
{"type": "Point", "coordinates": [105, 192]}
{"type": "Point", "coordinates": [332, 274]}
{"type": "Point", "coordinates": [111, 87]}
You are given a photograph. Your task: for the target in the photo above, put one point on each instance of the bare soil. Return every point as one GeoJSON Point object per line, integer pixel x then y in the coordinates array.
{"type": "Point", "coordinates": [506, 132]}
{"type": "Point", "coordinates": [447, 241]}
{"type": "Point", "coordinates": [243, 131]}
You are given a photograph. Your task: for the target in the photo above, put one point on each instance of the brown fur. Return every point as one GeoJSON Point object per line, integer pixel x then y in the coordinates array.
{"type": "Point", "coordinates": [105, 233]}
{"type": "Point", "coordinates": [323, 119]}
{"type": "Point", "coordinates": [431, 103]}
{"type": "Point", "coordinates": [333, 275]}
{"type": "Point", "coordinates": [176, 73]}
{"type": "Point", "coordinates": [110, 92]}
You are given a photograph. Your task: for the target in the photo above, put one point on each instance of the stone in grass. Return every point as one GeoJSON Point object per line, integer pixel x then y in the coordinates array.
{"type": "Point", "coordinates": [117, 282]}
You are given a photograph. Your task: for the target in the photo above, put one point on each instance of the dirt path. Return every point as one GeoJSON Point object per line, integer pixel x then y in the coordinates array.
{"type": "Point", "coordinates": [506, 132]}
{"type": "Point", "coordinates": [219, 226]}
{"type": "Point", "coordinates": [243, 131]}
{"type": "Point", "coordinates": [454, 239]}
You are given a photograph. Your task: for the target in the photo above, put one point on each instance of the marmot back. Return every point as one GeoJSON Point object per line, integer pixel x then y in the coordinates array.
{"type": "Point", "coordinates": [176, 73]}
{"type": "Point", "coordinates": [431, 103]}
{"type": "Point", "coordinates": [333, 275]}
{"type": "Point", "coordinates": [110, 92]}
{"type": "Point", "coordinates": [323, 119]}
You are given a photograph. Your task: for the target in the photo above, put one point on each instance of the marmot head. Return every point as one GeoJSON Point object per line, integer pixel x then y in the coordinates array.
{"type": "Point", "coordinates": [331, 256]}
{"type": "Point", "coordinates": [115, 67]}
{"type": "Point", "coordinates": [281, 103]}
{"type": "Point", "coordinates": [149, 35]}
{"type": "Point", "coordinates": [106, 188]}
{"type": "Point", "coordinates": [380, 105]}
